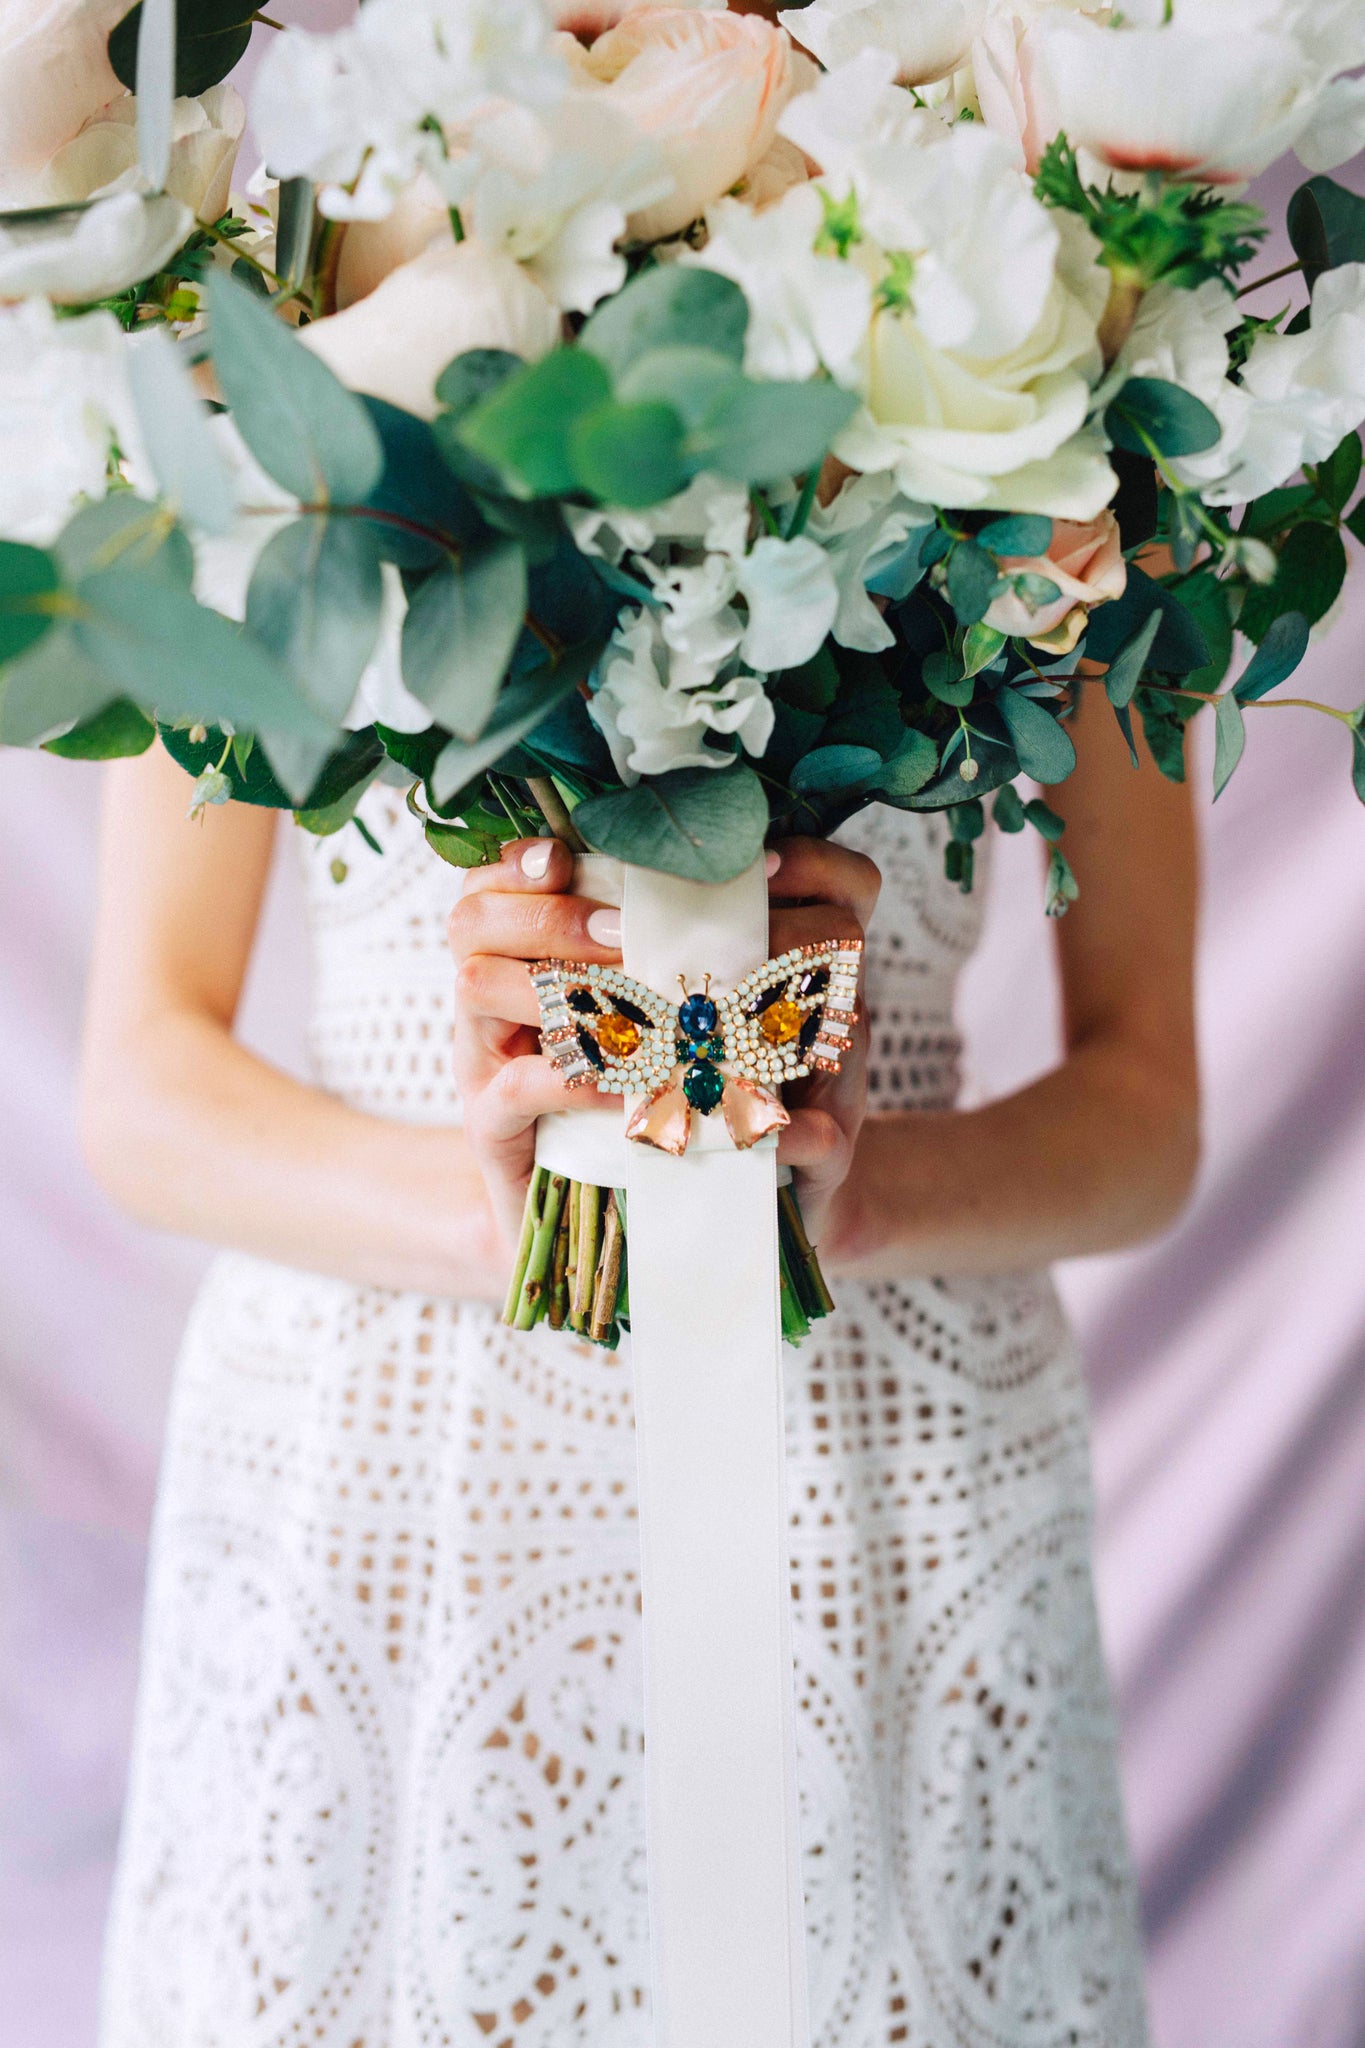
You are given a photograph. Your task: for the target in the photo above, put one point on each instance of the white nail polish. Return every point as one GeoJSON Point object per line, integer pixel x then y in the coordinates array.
{"type": "Point", "coordinates": [604, 927]}
{"type": "Point", "coordinates": [536, 859]}
{"type": "Point", "coordinates": [772, 861]}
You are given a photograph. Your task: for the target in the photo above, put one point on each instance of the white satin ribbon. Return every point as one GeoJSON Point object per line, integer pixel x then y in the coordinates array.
{"type": "Point", "coordinates": [725, 1900]}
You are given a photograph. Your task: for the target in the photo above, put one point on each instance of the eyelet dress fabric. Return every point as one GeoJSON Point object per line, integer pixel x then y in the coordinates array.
{"type": "Point", "coordinates": [387, 1786]}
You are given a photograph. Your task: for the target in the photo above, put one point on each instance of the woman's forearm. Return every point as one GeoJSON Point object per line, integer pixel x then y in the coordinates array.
{"type": "Point", "coordinates": [193, 1133]}
{"type": "Point", "coordinates": [1097, 1155]}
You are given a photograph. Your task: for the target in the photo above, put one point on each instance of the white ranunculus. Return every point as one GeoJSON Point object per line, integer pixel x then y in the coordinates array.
{"type": "Point", "coordinates": [807, 311]}
{"type": "Point", "coordinates": [868, 519]}
{"type": "Point", "coordinates": [205, 137]}
{"type": "Point", "coordinates": [713, 512]}
{"type": "Point", "coordinates": [353, 109]}
{"type": "Point", "coordinates": [395, 343]}
{"type": "Point", "coordinates": [927, 38]}
{"type": "Point", "coordinates": [91, 255]}
{"type": "Point", "coordinates": [54, 64]}
{"type": "Point", "coordinates": [1214, 99]}
{"type": "Point", "coordinates": [1005, 431]}
{"type": "Point", "coordinates": [654, 718]}
{"type": "Point", "coordinates": [65, 408]}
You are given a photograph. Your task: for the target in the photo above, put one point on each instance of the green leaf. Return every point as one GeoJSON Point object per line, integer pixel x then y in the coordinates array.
{"type": "Point", "coordinates": [765, 433]}
{"type": "Point", "coordinates": [211, 37]}
{"type": "Point", "coordinates": [1123, 714]}
{"type": "Point", "coordinates": [1356, 522]}
{"type": "Point", "coordinates": [967, 821]}
{"type": "Point", "coordinates": [1164, 732]}
{"type": "Point", "coordinates": [704, 824]}
{"type": "Point", "coordinates": [460, 847]}
{"type": "Point", "coordinates": [521, 707]}
{"type": "Point", "coordinates": [1205, 598]}
{"type": "Point", "coordinates": [1062, 888]}
{"type": "Point", "coordinates": [354, 761]}
{"type": "Point", "coordinates": [1008, 810]}
{"type": "Point", "coordinates": [1358, 762]}
{"type": "Point", "coordinates": [1179, 645]}
{"type": "Point", "coordinates": [980, 645]}
{"type": "Point", "coordinates": [300, 422]}
{"type": "Point", "coordinates": [837, 767]}
{"type": "Point", "coordinates": [417, 486]}
{"type": "Point", "coordinates": [1043, 746]}
{"type": "Point", "coordinates": [473, 376]}
{"type": "Point", "coordinates": [294, 230]}
{"type": "Point", "coordinates": [1125, 670]}
{"type": "Point", "coordinates": [1275, 510]}
{"type": "Point", "coordinates": [1326, 227]}
{"type": "Point", "coordinates": [1337, 477]}
{"type": "Point", "coordinates": [323, 820]}
{"type": "Point", "coordinates": [629, 454]}
{"type": "Point", "coordinates": [664, 307]}
{"type": "Point", "coordinates": [812, 687]}
{"type": "Point", "coordinates": [693, 381]}
{"type": "Point", "coordinates": [972, 581]}
{"type": "Point", "coordinates": [1150, 413]}
{"type": "Point", "coordinates": [174, 420]}
{"type": "Point", "coordinates": [124, 532]}
{"type": "Point", "coordinates": [112, 734]}
{"type": "Point", "coordinates": [522, 428]}
{"type": "Point", "coordinates": [1279, 654]}
{"type": "Point", "coordinates": [943, 678]}
{"type": "Point", "coordinates": [913, 764]}
{"type": "Point", "coordinates": [1043, 819]}
{"type": "Point", "coordinates": [29, 582]}
{"type": "Point", "coordinates": [1230, 738]}
{"type": "Point", "coordinates": [1019, 533]}
{"type": "Point", "coordinates": [314, 600]}
{"type": "Point", "coordinates": [458, 637]}
{"type": "Point", "coordinates": [1312, 569]}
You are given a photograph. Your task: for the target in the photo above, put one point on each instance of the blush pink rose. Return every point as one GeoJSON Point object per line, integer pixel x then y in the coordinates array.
{"type": "Point", "coordinates": [707, 88]}
{"type": "Point", "coordinates": [55, 73]}
{"type": "Point", "coordinates": [1086, 564]}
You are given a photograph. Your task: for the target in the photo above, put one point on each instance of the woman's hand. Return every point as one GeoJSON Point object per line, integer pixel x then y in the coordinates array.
{"type": "Point", "coordinates": [519, 910]}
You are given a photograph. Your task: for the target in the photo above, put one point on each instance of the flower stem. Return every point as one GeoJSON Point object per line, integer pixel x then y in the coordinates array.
{"type": "Point", "coordinates": [533, 1293]}
{"type": "Point", "coordinates": [608, 1274]}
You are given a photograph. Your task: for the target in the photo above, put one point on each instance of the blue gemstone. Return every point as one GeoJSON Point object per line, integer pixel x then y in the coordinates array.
{"type": "Point", "coordinates": [698, 1018]}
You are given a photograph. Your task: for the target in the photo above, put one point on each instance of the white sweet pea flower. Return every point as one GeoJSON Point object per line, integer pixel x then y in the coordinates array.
{"type": "Point", "coordinates": [654, 719]}
{"type": "Point", "coordinates": [792, 599]}
{"type": "Point", "coordinates": [382, 697]}
{"type": "Point", "coordinates": [864, 523]}
{"type": "Point", "coordinates": [713, 512]}
{"type": "Point", "coordinates": [698, 619]}
{"type": "Point", "coordinates": [65, 411]}
{"type": "Point", "coordinates": [927, 39]}
{"type": "Point", "coordinates": [807, 311]}
{"type": "Point", "coordinates": [856, 107]}
{"type": "Point", "coordinates": [353, 110]}
{"type": "Point", "coordinates": [94, 254]}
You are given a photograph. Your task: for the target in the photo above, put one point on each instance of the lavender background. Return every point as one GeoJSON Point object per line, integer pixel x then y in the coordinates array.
{"type": "Point", "coordinates": [1227, 1364]}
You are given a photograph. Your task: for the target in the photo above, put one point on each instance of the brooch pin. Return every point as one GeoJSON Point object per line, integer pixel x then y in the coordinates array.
{"type": "Point", "coordinates": [788, 1018]}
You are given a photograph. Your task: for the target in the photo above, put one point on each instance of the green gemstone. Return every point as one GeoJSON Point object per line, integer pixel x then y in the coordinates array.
{"type": "Point", "coordinates": [703, 1085]}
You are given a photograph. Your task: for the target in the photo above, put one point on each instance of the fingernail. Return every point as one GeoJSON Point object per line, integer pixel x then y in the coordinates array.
{"type": "Point", "coordinates": [771, 863]}
{"type": "Point", "coordinates": [604, 927]}
{"type": "Point", "coordinates": [536, 859]}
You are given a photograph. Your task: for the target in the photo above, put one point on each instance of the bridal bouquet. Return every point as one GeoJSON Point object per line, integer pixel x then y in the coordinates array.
{"type": "Point", "coordinates": [672, 428]}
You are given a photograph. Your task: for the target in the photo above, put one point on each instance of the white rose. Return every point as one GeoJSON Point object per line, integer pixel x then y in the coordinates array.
{"type": "Point", "coordinates": [64, 408]}
{"type": "Point", "coordinates": [395, 343]}
{"type": "Point", "coordinates": [807, 312]}
{"type": "Point", "coordinates": [54, 62]}
{"type": "Point", "coordinates": [117, 242]}
{"type": "Point", "coordinates": [205, 137]}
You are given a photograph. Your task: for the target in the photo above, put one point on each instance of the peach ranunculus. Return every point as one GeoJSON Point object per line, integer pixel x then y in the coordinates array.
{"type": "Point", "coordinates": [706, 87]}
{"type": "Point", "coordinates": [589, 18]}
{"type": "Point", "coordinates": [54, 64]}
{"type": "Point", "coordinates": [1086, 564]}
{"type": "Point", "coordinates": [205, 137]}
{"type": "Point", "coordinates": [395, 342]}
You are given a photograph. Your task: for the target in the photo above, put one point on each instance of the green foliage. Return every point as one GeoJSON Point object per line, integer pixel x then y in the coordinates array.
{"type": "Point", "coordinates": [1008, 809]}
{"type": "Point", "coordinates": [184, 456]}
{"type": "Point", "coordinates": [1043, 745]}
{"type": "Point", "coordinates": [1205, 597]}
{"type": "Point", "coordinates": [523, 704]}
{"type": "Point", "coordinates": [1149, 416]}
{"type": "Point", "coordinates": [1163, 727]}
{"type": "Point", "coordinates": [1326, 227]}
{"type": "Point", "coordinates": [1018, 533]}
{"type": "Point", "coordinates": [1312, 569]}
{"type": "Point", "coordinates": [1358, 759]}
{"type": "Point", "coordinates": [666, 307]}
{"type": "Point", "coordinates": [813, 686]}
{"type": "Point", "coordinates": [1279, 654]}
{"type": "Point", "coordinates": [707, 825]}
{"type": "Point", "coordinates": [352, 762]}
{"type": "Point", "coordinates": [303, 426]}
{"type": "Point", "coordinates": [1062, 888]}
{"type": "Point", "coordinates": [29, 581]}
{"type": "Point", "coordinates": [1337, 477]}
{"type": "Point", "coordinates": [314, 601]}
{"type": "Point", "coordinates": [906, 772]}
{"type": "Point", "coordinates": [211, 37]}
{"type": "Point", "coordinates": [630, 454]}
{"type": "Point", "coordinates": [981, 646]}
{"type": "Point", "coordinates": [462, 625]}
{"type": "Point", "coordinates": [1044, 820]}
{"type": "Point", "coordinates": [973, 580]}
{"type": "Point", "coordinates": [1179, 645]}
{"type": "Point", "coordinates": [297, 218]}
{"type": "Point", "coordinates": [1230, 739]}
{"type": "Point", "coordinates": [1184, 234]}
{"type": "Point", "coordinates": [943, 678]}
{"type": "Point", "coordinates": [836, 767]}
{"type": "Point", "coordinates": [764, 433]}
{"type": "Point", "coordinates": [1126, 666]}
{"type": "Point", "coordinates": [522, 428]}
{"type": "Point", "coordinates": [418, 487]}
{"type": "Point", "coordinates": [112, 734]}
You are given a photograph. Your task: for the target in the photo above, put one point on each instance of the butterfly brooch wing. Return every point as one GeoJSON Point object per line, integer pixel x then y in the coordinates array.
{"type": "Point", "coordinates": [793, 1015]}
{"type": "Point", "coordinates": [601, 1029]}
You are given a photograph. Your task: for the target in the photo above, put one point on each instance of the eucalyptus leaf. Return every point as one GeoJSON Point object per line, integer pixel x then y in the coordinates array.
{"type": "Point", "coordinates": [1044, 819]}
{"type": "Point", "coordinates": [765, 433]}
{"type": "Point", "coordinates": [304, 427]}
{"type": "Point", "coordinates": [629, 454]}
{"type": "Point", "coordinates": [294, 227]}
{"type": "Point", "coordinates": [521, 707]}
{"type": "Point", "coordinates": [1018, 533]}
{"type": "Point", "coordinates": [1311, 571]}
{"type": "Point", "coordinates": [834, 768]}
{"type": "Point", "coordinates": [1008, 810]}
{"type": "Point", "coordinates": [49, 688]}
{"type": "Point", "coordinates": [419, 488]}
{"type": "Point", "coordinates": [114, 733]}
{"type": "Point", "coordinates": [706, 825]}
{"type": "Point", "coordinates": [666, 307]}
{"type": "Point", "coordinates": [183, 453]}
{"type": "Point", "coordinates": [1179, 645]}
{"type": "Point", "coordinates": [909, 769]}
{"type": "Point", "coordinates": [1149, 413]}
{"type": "Point", "coordinates": [125, 532]}
{"type": "Point", "coordinates": [980, 646]}
{"type": "Point", "coordinates": [155, 88]}
{"type": "Point", "coordinates": [354, 760]}
{"type": "Point", "coordinates": [315, 600]}
{"type": "Point", "coordinates": [972, 581]}
{"type": "Point", "coordinates": [1123, 713]}
{"type": "Point", "coordinates": [1337, 477]}
{"type": "Point", "coordinates": [692, 380]}
{"type": "Point", "coordinates": [1125, 669]}
{"type": "Point", "coordinates": [1279, 654]}
{"type": "Point", "coordinates": [211, 38]}
{"type": "Point", "coordinates": [522, 428]}
{"type": "Point", "coordinates": [1326, 227]}
{"type": "Point", "coordinates": [1044, 747]}
{"type": "Point", "coordinates": [462, 625]}
{"type": "Point", "coordinates": [1230, 740]}
{"type": "Point", "coordinates": [1358, 762]}
{"type": "Point", "coordinates": [1062, 888]}
{"type": "Point", "coordinates": [943, 678]}
{"type": "Point", "coordinates": [29, 582]}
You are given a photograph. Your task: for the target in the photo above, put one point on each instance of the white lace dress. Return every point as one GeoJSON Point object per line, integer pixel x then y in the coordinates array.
{"type": "Point", "coordinates": [387, 1790]}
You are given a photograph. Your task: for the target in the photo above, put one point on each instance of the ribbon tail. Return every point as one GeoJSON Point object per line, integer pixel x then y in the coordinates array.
{"type": "Point", "coordinates": [663, 1119]}
{"type": "Point", "coordinates": [751, 1112]}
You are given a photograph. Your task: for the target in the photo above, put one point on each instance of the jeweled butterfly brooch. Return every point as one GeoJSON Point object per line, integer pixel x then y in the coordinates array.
{"type": "Point", "coordinates": [790, 1017]}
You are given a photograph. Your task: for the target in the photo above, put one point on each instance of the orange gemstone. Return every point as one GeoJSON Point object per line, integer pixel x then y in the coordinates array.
{"type": "Point", "coordinates": [617, 1035]}
{"type": "Point", "coordinates": [781, 1022]}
